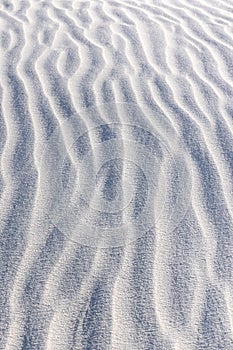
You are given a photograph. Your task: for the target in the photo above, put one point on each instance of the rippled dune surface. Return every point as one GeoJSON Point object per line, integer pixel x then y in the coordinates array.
{"type": "Point", "coordinates": [116, 150]}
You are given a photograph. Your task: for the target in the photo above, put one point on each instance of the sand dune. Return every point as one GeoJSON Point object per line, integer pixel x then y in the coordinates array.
{"type": "Point", "coordinates": [116, 182]}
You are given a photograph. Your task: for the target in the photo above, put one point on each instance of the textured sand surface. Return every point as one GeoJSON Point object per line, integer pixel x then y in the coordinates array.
{"type": "Point", "coordinates": [116, 158]}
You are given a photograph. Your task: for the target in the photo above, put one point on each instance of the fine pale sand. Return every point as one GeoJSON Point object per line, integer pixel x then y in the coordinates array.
{"type": "Point", "coordinates": [116, 150]}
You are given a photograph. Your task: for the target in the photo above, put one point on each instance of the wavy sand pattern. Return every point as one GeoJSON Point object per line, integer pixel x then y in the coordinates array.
{"type": "Point", "coordinates": [116, 211]}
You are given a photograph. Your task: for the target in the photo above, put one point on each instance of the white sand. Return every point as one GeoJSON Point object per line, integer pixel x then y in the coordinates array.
{"type": "Point", "coordinates": [116, 183]}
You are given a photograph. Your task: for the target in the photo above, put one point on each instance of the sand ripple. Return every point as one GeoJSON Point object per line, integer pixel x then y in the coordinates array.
{"type": "Point", "coordinates": [116, 182]}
